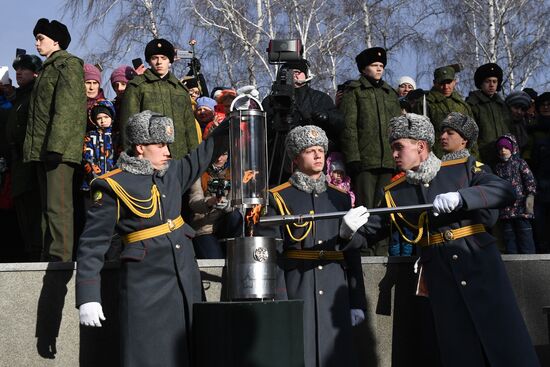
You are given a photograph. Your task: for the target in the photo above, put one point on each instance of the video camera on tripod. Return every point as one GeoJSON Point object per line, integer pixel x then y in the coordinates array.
{"type": "Point", "coordinates": [282, 90]}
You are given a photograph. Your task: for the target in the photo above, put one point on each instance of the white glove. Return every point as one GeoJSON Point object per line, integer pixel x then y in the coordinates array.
{"type": "Point", "coordinates": [250, 90]}
{"type": "Point", "coordinates": [353, 220]}
{"type": "Point", "coordinates": [91, 313]}
{"type": "Point", "coordinates": [446, 203]}
{"type": "Point", "coordinates": [357, 316]}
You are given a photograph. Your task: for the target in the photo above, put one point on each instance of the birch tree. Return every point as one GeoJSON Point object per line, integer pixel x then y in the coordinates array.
{"type": "Point", "coordinates": [513, 33]}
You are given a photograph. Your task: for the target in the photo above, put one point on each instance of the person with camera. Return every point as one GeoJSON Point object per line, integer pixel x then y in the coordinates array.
{"type": "Point", "coordinates": [294, 103]}
{"type": "Point", "coordinates": [213, 217]}
{"type": "Point", "coordinates": [157, 89]}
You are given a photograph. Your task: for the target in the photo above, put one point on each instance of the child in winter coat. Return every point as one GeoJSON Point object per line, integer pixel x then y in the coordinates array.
{"type": "Point", "coordinates": [99, 153]}
{"type": "Point", "coordinates": [515, 219]}
{"type": "Point", "coordinates": [336, 174]}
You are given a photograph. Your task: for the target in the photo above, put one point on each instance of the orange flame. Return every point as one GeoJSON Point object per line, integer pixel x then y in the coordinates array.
{"type": "Point", "coordinates": [253, 216]}
{"type": "Point", "coordinates": [249, 175]}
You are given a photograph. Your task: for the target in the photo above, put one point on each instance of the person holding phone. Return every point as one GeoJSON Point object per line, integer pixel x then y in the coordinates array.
{"type": "Point", "coordinates": [157, 89]}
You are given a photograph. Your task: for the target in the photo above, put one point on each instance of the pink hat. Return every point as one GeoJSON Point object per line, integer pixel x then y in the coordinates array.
{"type": "Point", "coordinates": [123, 73]}
{"type": "Point", "coordinates": [92, 73]}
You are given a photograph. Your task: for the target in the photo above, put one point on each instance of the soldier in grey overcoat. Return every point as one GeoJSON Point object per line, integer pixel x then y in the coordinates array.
{"type": "Point", "coordinates": [476, 317]}
{"type": "Point", "coordinates": [159, 276]}
{"type": "Point", "coordinates": [320, 260]}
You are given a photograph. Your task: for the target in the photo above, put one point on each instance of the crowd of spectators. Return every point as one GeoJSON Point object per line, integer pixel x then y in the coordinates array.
{"type": "Point", "coordinates": [58, 132]}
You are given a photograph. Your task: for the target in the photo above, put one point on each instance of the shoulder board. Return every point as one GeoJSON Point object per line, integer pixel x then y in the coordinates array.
{"type": "Point", "coordinates": [338, 188]}
{"type": "Point", "coordinates": [280, 187]}
{"type": "Point", "coordinates": [395, 183]}
{"type": "Point", "coordinates": [110, 173]}
{"type": "Point", "coordinates": [454, 161]}
{"type": "Point", "coordinates": [477, 167]}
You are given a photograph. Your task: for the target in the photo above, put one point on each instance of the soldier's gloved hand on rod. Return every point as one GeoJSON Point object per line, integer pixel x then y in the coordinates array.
{"type": "Point", "coordinates": [446, 203]}
{"type": "Point", "coordinates": [357, 316]}
{"type": "Point", "coordinates": [353, 220]}
{"type": "Point", "coordinates": [91, 313]}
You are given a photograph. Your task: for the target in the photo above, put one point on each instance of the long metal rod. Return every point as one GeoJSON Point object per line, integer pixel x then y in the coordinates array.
{"type": "Point", "coordinates": [301, 218]}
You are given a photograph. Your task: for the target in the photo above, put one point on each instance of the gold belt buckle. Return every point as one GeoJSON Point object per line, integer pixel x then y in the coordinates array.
{"type": "Point", "coordinates": [448, 235]}
{"type": "Point", "coordinates": [322, 254]}
{"type": "Point", "coordinates": [171, 225]}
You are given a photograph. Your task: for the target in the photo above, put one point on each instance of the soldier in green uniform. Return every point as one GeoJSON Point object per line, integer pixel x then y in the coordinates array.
{"type": "Point", "coordinates": [157, 89]}
{"type": "Point", "coordinates": [54, 135]}
{"type": "Point", "coordinates": [489, 111]}
{"type": "Point", "coordinates": [442, 100]}
{"type": "Point", "coordinates": [368, 106]}
{"type": "Point", "coordinates": [25, 190]}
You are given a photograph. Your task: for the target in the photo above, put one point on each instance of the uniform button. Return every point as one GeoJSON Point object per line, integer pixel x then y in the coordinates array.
{"type": "Point", "coordinates": [455, 257]}
{"type": "Point", "coordinates": [319, 242]}
{"type": "Point", "coordinates": [426, 185]}
{"type": "Point", "coordinates": [320, 293]}
{"type": "Point", "coordinates": [163, 195]}
{"type": "Point", "coordinates": [463, 283]}
{"type": "Point", "coordinates": [316, 195]}
{"type": "Point", "coordinates": [178, 246]}
{"type": "Point", "coordinates": [320, 267]}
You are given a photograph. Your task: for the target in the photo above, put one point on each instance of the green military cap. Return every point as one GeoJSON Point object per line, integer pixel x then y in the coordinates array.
{"type": "Point", "coordinates": [444, 73]}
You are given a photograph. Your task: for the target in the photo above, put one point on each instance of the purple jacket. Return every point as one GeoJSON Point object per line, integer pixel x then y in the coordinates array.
{"type": "Point", "coordinates": [516, 171]}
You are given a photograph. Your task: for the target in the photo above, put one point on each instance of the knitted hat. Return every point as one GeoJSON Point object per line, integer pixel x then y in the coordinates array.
{"type": "Point", "coordinates": [408, 80]}
{"type": "Point", "coordinates": [149, 127]}
{"type": "Point", "coordinates": [302, 65]}
{"type": "Point", "coordinates": [504, 142]}
{"type": "Point", "coordinates": [487, 71]}
{"type": "Point", "coordinates": [123, 74]}
{"type": "Point", "coordinates": [303, 137]}
{"type": "Point", "coordinates": [520, 99]}
{"type": "Point", "coordinates": [103, 106]}
{"type": "Point", "coordinates": [29, 62]}
{"type": "Point", "coordinates": [462, 124]}
{"type": "Point", "coordinates": [160, 46]}
{"type": "Point", "coordinates": [92, 73]}
{"type": "Point", "coordinates": [55, 30]}
{"type": "Point", "coordinates": [412, 126]}
{"type": "Point", "coordinates": [544, 97]}
{"type": "Point", "coordinates": [369, 56]}
{"type": "Point", "coordinates": [206, 102]}
{"type": "Point", "coordinates": [444, 73]}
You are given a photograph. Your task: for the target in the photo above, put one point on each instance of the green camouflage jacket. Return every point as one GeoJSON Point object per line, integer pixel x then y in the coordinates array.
{"type": "Point", "coordinates": [57, 110]}
{"type": "Point", "coordinates": [367, 112]}
{"type": "Point", "coordinates": [167, 96]}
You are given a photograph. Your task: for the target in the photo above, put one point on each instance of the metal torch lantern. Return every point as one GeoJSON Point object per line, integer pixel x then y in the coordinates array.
{"type": "Point", "coordinates": [248, 146]}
